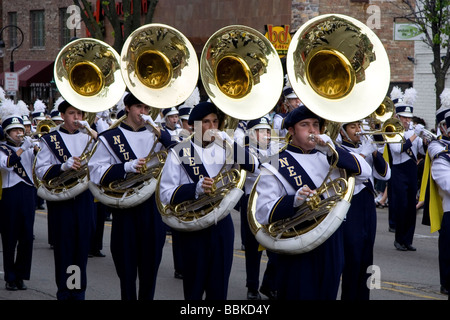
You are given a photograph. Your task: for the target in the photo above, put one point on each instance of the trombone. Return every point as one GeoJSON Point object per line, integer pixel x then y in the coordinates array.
{"type": "Point", "coordinates": [392, 131]}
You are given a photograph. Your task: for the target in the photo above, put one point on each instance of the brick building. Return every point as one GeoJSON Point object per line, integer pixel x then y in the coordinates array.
{"type": "Point", "coordinates": [44, 23]}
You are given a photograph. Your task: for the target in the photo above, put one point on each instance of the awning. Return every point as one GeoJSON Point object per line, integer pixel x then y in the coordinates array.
{"type": "Point", "coordinates": [31, 71]}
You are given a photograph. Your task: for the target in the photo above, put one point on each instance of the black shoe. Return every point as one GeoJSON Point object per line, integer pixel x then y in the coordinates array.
{"type": "Point", "coordinates": [410, 247]}
{"type": "Point", "coordinates": [443, 290]}
{"type": "Point", "coordinates": [253, 295]}
{"type": "Point", "coordinates": [20, 285]}
{"type": "Point", "coordinates": [98, 253]}
{"type": "Point", "coordinates": [10, 286]}
{"type": "Point", "coordinates": [271, 294]}
{"type": "Point", "coordinates": [399, 246]}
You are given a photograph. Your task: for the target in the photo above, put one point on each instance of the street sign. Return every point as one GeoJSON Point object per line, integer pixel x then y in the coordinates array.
{"type": "Point", "coordinates": [11, 81]}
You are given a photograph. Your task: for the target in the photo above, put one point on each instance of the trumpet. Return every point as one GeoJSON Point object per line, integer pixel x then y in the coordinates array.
{"type": "Point", "coordinates": [427, 135]}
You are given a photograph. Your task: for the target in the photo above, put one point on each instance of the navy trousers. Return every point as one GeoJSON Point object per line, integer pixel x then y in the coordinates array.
{"type": "Point", "coordinates": [403, 185]}
{"type": "Point", "coordinates": [137, 241]}
{"type": "Point", "coordinates": [444, 251]}
{"type": "Point", "coordinates": [360, 227]}
{"type": "Point", "coordinates": [16, 223]}
{"type": "Point", "coordinates": [207, 260]}
{"type": "Point", "coordinates": [72, 224]}
{"type": "Point", "coordinates": [253, 255]}
{"type": "Point", "coordinates": [314, 275]}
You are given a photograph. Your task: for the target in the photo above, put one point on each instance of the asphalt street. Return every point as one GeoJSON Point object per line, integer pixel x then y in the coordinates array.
{"type": "Point", "coordinates": [403, 275]}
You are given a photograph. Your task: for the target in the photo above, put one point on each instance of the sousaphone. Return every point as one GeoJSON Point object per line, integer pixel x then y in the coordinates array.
{"type": "Point", "coordinates": [159, 67]}
{"type": "Point", "coordinates": [339, 69]}
{"type": "Point", "coordinates": [243, 76]}
{"type": "Point", "coordinates": [87, 74]}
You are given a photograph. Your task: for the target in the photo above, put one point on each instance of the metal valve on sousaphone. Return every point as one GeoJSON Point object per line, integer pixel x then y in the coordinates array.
{"type": "Point", "coordinates": [334, 62]}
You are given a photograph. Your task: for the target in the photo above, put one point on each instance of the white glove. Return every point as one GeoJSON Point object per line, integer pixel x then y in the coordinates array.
{"type": "Point", "coordinates": [300, 196]}
{"type": "Point", "coordinates": [26, 144]}
{"type": "Point", "coordinates": [68, 164]}
{"type": "Point", "coordinates": [224, 136]}
{"type": "Point", "coordinates": [199, 189]}
{"type": "Point", "coordinates": [148, 120]}
{"type": "Point", "coordinates": [367, 148]}
{"type": "Point", "coordinates": [324, 149]}
{"type": "Point", "coordinates": [131, 166]}
{"type": "Point", "coordinates": [84, 126]}
{"type": "Point", "coordinates": [418, 129]}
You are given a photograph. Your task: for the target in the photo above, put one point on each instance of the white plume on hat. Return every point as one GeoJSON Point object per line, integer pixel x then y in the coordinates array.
{"type": "Point", "coordinates": [396, 93]}
{"type": "Point", "coordinates": [409, 97]}
{"type": "Point", "coordinates": [2, 94]}
{"type": "Point", "coordinates": [8, 108]}
{"type": "Point", "coordinates": [39, 106]}
{"type": "Point", "coordinates": [58, 102]}
{"type": "Point", "coordinates": [121, 105]}
{"type": "Point", "coordinates": [193, 99]}
{"type": "Point", "coordinates": [22, 108]}
{"type": "Point", "coordinates": [445, 98]}
{"type": "Point", "coordinates": [287, 82]}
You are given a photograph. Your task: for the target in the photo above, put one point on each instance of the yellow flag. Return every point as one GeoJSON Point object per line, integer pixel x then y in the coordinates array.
{"type": "Point", "coordinates": [435, 201]}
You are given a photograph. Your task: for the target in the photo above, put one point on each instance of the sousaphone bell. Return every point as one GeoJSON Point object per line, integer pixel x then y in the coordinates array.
{"type": "Point", "coordinates": [88, 76]}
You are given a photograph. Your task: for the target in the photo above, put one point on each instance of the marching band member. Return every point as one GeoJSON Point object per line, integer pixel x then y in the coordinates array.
{"type": "Point", "coordinates": [434, 192]}
{"type": "Point", "coordinates": [171, 121]}
{"type": "Point", "coordinates": [55, 115]}
{"type": "Point", "coordinates": [138, 233]}
{"type": "Point", "coordinates": [16, 215]}
{"type": "Point", "coordinates": [440, 169]}
{"type": "Point", "coordinates": [185, 110]}
{"type": "Point", "coordinates": [303, 167]}
{"type": "Point", "coordinates": [258, 140]}
{"type": "Point", "coordinates": [360, 223]}
{"type": "Point", "coordinates": [402, 187]}
{"type": "Point", "coordinates": [72, 220]}
{"type": "Point", "coordinates": [207, 253]}
{"type": "Point", "coordinates": [290, 102]}
{"type": "Point", "coordinates": [38, 114]}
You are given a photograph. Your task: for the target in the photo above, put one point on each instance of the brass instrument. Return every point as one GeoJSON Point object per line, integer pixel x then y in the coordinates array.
{"type": "Point", "coordinates": [337, 65]}
{"type": "Point", "coordinates": [136, 187]}
{"type": "Point", "coordinates": [315, 220]}
{"type": "Point", "coordinates": [160, 68]}
{"type": "Point", "coordinates": [241, 72]}
{"type": "Point", "coordinates": [334, 62]}
{"type": "Point", "coordinates": [392, 131]}
{"type": "Point", "coordinates": [44, 127]}
{"type": "Point", "coordinates": [159, 65]}
{"type": "Point", "coordinates": [208, 209]}
{"type": "Point", "coordinates": [88, 76]}
{"type": "Point", "coordinates": [69, 183]}
{"type": "Point", "coordinates": [243, 76]}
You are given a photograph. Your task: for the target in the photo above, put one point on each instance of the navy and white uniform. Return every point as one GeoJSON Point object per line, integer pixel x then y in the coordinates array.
{"type": "Point", "coordinates": [251, 246]}
{"type": "Point", "coordinates": [314, 275]}
{"type": "Point", "coordinates": [402, 187]}
{"type": "Point", "coordinates": [360, 227]}
{"type": "Point", "coordinates": [72, 221]}
{"type": "Point", "coordinates": [16, 215]}
{"type": "Point", "coordinates": [440, 169]}
{"type": "Point", "coordinates": [207, 253]}
{"type": "Point", "coordinates": [138, 233]}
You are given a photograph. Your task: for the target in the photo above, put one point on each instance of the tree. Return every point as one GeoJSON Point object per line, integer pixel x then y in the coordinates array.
{"type": "Point", "coordinates": [433, 18]}
{"type": "Point", "coordinates": [122, 25]}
